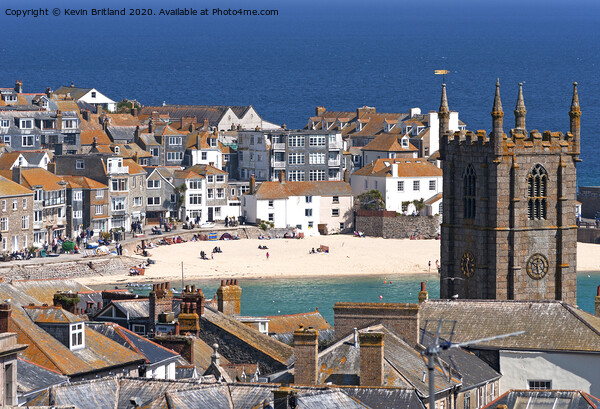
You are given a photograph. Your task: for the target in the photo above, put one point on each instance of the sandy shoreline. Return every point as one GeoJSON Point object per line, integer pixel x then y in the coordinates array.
{"type": "Point", "coordinates": [290, 258]}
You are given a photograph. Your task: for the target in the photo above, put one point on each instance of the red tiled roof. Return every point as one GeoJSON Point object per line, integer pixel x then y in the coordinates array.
{"type": "Point", "coordinates": [10, 188]}
{"type": "Point", "coordinates": [388, 143]}
{"type": "Point", "coordinates": [38, 176]}
{"type": "Point", "coordinates": [416, 167]}
{"type": "Point", "coordinates": [285, 324]}
{"type": "Point", "coordinates": [278, 190]}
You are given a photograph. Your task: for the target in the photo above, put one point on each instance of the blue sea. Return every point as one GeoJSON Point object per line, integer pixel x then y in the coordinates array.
{"type": "Point", "coordinates": [339, 54]}
{"type": "Point", "coordinates": [290, 296]}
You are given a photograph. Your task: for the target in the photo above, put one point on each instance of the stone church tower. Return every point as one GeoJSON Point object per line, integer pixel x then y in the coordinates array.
{"type": "Point", "coordinates": [509, 228]}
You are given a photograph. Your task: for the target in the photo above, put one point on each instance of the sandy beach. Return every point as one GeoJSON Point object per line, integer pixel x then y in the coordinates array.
{"type": "Point", "coordinates": [290, 258]}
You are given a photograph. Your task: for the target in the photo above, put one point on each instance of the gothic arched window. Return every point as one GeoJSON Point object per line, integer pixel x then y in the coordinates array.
{"type": "Point", "coordinates": [537, 195]}
{"type": "Point", "coordinates": [469, 189]}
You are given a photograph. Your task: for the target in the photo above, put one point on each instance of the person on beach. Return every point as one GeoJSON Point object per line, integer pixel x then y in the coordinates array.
{"type": "Point", "coordinates": [267, 255]}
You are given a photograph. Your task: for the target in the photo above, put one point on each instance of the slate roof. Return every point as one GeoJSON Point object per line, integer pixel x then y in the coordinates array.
{"type": "Point", "coordinates": [407, 167]}
{"type": "Point", "coordinates": [121, 132]}
{"type": "Point", "coordinates": [43, 290]}
{"type": "Point", "coordinates": [283, 324]}
{"type": "Point", "coordinates": [50, 315]}
{"type": "Point", "coordinates": [10, 188]}
{"type": "Point", "coordinates": [278, 190]}
{"type": "Point", "coordinates": [384, 398]}
{"type": "Point", "coordinates": [545, 323]}
{"type": "Point", "coordinates": [134, 308]}
{"type": "Point", "coordinates": [75, 92]}
{"type": "Point", "coordinates": [38, 176]}
{"type": "Point", "coordinates": [34, 377]}
{"type": "Point", "coordinates": [403, 364]}
{"type": "Point", "coordinates": [473, 370]}
{"type": "Point", "coordinates": [267, 345]}
{"type": "Point", "coordinates": [213, 113]}
{"type": "Point", "coordinates": [131, 150]}
{"type": "Point", "coordinates": [563, 399]}
{"type": "Point", "coordinates": [153, 352]}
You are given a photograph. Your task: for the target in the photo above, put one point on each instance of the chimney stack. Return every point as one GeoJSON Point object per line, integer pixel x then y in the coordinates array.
{"type": "Point", "coordinates": [598, 302]}
{"type": "Point", "coordinates": [58, 120]}
{"type": "Point", "coordinates": [306, 356]}
{"type": "Point", "coordinates": [16, 175]}
{"type": "Point", "coordinates": [86, 114]}
{"type": "Point", "coordinates": [99, 109]}
{"type": "Point", "coordinates": [229, 296]}
{"type": "Point", "coordinates": [18, 87]}
{"type": "Point", "coordinates": [252, 189]}
{"type": "Point", "coordinates": [134, 111]}
{"type": "Point", "coordinates": [5, 313]}
{"type": "Point", "coordinates": [423, 294]}
{"type": "Point", "coordinates": [371, 359]}
{"type": "Point", "coordinates": [347, 176]}
{"type": "Point", "coordinates": [282, 177]}
{"type": "Point", "coordinates": [319, 111]}
{"type": "Point", "coordinates": [49, 92]}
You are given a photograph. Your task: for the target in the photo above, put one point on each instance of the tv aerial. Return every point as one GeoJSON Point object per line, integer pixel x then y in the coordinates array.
{"type": "Point", "coordinates": [432, 351]}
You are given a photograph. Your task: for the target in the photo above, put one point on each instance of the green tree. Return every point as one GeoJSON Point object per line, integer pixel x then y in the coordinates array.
{"type": "Point", "coordinates": [180, 191]}
{"type": "Point", "coordinates": [371, 200]}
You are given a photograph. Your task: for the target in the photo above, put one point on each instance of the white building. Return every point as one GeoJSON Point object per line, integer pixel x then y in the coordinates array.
{"type": "Point", "coordinates": [311, 207]}
{"type": "Point", "coordinates": [88, 95]}
{"type": "Point", "coordinates": [401, 182]}
{"type": "Point", "coordinates": [194, 204]}
{"type": "Point", "coordinates": [203, 148]}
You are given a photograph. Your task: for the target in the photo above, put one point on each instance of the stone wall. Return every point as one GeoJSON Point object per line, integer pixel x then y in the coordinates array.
{"type": "Point", "coordinates": [67, 269]}
{"type": "Point", "coordinates": [390, 225]}
{"type": "Point", "coordinates": [588, 235]}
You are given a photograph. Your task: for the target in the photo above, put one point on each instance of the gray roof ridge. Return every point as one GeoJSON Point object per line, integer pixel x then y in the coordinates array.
{"type": "Point", "coordinates": [572, 310]}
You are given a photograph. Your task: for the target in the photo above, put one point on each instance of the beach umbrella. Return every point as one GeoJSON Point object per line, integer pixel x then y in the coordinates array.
{"type": "Point", "coordinates": [68, 246]}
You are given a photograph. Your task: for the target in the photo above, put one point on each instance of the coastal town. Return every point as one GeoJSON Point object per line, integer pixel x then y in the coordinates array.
{"type": "Point", "coordinates": [96, 193]}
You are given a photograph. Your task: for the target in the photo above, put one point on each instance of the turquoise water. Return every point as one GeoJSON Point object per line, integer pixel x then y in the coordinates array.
{"type": "Point", "coordinates": [289, 296]}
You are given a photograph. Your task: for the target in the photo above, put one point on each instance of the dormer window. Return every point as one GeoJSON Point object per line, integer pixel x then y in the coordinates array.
{"type": "Point", "coordinates": [408, 128]}
{"type": "Point", "coordinates": [77, 338]}
{"type": "Point", "coordinates": [10, 98]}
{"type": "Point", "coordinates": [117, 150]}
{"type": "Point", "coordinates": [4, 123]}
{"type": "Point", "coordinates": [69, 124]}
{"type": "Point", "coordinates": [404, 142]}
{"type": "Point", "coordinates": [26, 124]}
{"type": "Point", "coordinates": [420, 129]}
{"type": "Point", "coordinates": [93, 94]}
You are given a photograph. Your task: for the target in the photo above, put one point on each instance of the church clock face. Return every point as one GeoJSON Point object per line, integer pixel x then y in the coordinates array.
{"type": "Point", "coordinates": [537, 266]}
{"type": "Point", "coordinates": [467, 264]}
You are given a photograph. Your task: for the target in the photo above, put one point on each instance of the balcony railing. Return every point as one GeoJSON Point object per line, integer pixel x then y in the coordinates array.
{"type": "Point", "coordinates": [277, 163]}
{"type": "Point", "coordinates": [333, 162]}
{"type": "Point", "coordinates": [335, 145]}
{"type": "Point", "coordinates": [117, 170]}
{"type": "Point", "coordinates": [278, 146]}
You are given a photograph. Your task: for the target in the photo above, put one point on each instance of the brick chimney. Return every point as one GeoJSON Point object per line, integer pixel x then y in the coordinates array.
{"type": "Point", "coordinates": [229, 296]}
{"type": "Point", "coordinates": [282, 177]}
{"type": "Point", "coordinates": [205, 124]}
{"type": "Point", "coordinates": [306, 356]}
{"type": "Point", "coordinates": [189, 321]}
{"type": "Point", "coordinates": [58, 120]}
{"type": "Point", "coordinates": [252, 189]}
{"type": "Point", "coordinates": [402, 318]}
{"type": "Point", "coordinates": [5, 313]}
{"type": "Point", "coordinates": [151, 125]}
{"type": "Point", "coordinates": [18, 87]}
{"type": "Point", "coordinates": [423, 294]}
{"type": "Point", "coordinates": [194, 296]}
{"type": "Point", "coordinates": [134, 111]}
{"type": "Point", "coordinates": [598, 301]}
{"type": "Point", "coordinates": [347, 176]}
{"type": "Point", "coordinates": [161, 300]}
{"type": "Point", "coordinates": [99, 109]}
{"type": "Point", "coordinates": [364, 110]}
{"type": "Point", "coordinates": [371, 358]}
{"type": "Point", "coordinates": [85, 114]}
{"type": "Point", "coordinates": [319, 111]}
{"type": "Point", "coordinates": [49, 92]}
{"type": "Point", "coordinates": [285, 398]}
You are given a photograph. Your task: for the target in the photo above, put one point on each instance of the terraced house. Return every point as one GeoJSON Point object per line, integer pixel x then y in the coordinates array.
{"type": "Point", "coordinates": [35, 129]}
{"type": "Point", "coordinates": [124, 178]}
{"type": "Point", "coordinates": [49, 202]}
{"type": "Point", "coordinates": [16, 214]}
